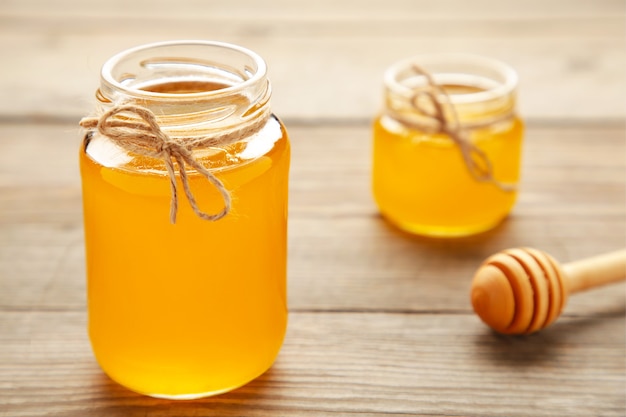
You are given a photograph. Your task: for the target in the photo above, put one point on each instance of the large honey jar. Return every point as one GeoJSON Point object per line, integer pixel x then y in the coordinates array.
{"type": "Point", "coordinates": [185, 172]}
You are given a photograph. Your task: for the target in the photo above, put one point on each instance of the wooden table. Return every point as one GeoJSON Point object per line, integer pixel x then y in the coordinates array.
{"type": "Point", "coordinates": [380, 322]}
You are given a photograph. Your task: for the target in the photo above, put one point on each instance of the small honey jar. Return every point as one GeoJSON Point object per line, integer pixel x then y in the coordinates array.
{"type": "Point", "coordinates": [447, 145]}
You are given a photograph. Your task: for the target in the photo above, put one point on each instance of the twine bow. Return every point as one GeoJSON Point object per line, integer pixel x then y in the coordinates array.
{"type": "Point", "coordinates": [145, 137]}
{"type": "Point", "coordinates": [476, 160]}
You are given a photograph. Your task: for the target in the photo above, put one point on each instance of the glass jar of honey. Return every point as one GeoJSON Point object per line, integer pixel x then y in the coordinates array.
{"type": "Point", "coordinates": [447, 145]}
{"type": "Point", "coordinates": [185, 173]}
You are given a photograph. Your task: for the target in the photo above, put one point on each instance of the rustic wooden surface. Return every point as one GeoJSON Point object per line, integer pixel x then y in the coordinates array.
{"type": "Point", "coordinates": [380, 322]}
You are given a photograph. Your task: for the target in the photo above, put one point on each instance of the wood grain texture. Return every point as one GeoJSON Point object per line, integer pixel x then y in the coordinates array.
{"type": "Point", "coordinates": [380, 321]}
{"type": "Point", "coordinates": [341, 364]}
{"type": "Point", "coordinates": [343, 256]}
{"type": "Point", "coordinates": [326, 59]}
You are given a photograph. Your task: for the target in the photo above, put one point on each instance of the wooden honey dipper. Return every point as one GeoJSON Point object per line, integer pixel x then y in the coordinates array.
{"type": "Point", "coordinates": [523, 290]}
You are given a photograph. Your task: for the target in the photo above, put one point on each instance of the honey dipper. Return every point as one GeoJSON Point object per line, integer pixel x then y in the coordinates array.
{"type": "Point", "coordinates": [523, 290]}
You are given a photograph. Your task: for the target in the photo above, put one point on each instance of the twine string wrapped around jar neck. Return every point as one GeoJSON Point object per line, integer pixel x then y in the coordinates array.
{"type": "Point", "coordinates": [143, 135]}
{"type": "Point", "coordinates": [476, 160]}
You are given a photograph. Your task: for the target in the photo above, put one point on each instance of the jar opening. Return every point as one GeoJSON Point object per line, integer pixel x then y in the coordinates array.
{"type": "Point", "coordinates": [192, 87]}
{"type": "Point", "coordinates": [466, 78]}
{"type": "Point", "coordinates": [181, 70]}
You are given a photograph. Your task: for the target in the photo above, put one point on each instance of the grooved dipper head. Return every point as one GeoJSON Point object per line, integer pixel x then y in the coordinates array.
{"type": "Point", "coordinates": [518, 291]}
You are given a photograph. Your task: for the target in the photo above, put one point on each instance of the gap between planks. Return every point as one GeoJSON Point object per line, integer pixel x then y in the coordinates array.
{"type": "Point", "coordinates": [347, 311]}
{"type": "Point", "coordinates": [533, 122]}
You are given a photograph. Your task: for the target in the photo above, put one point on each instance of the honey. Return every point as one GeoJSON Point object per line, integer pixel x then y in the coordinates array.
{"type": "Point", "coordinates": [184, 87]}
{"type": "Point", "coordinates": [421, 181]}
{"type": "Point", "coordinates": [198, 307]}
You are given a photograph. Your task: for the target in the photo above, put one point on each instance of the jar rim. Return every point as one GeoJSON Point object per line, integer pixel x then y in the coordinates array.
{"type": "Point", "coordinates": [430, 63]}
{"type": "Point", "coordinates": [107, 72]}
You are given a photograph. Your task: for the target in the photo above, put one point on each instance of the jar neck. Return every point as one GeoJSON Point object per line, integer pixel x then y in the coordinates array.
{"type": "Point", "coordinates": [194, 88]}
{"type": "Point", "coordinates": [478, 91]}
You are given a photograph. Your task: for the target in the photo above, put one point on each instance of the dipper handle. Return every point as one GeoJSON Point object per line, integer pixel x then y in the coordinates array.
{"type": "Point", "coordinates": [596, 271]}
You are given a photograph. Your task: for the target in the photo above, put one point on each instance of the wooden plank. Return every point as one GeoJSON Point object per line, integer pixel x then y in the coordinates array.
{"type": "Point", "coordinates": [336, 262]}
{"type": "Point", "coordinates": [556, 159]}
{"type": "Point", "coordinates": [343, 256]}
{"type": "Point", "coordinates": [345, 365]}
{"type": "Point", "coordinates": [387, 25]}
{"type": "Point", "coordinates": [325, 62]}
{"type": "Point", "coordinates": [321, 9]}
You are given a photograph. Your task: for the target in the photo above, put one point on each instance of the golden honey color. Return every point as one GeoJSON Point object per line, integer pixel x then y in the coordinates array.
{"type": "Point", "coordinates": [421, 183]}
{"type": "Point", "coordinates": [194, 308]}
{"type": "Point", "coordinates": [199, 307]}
